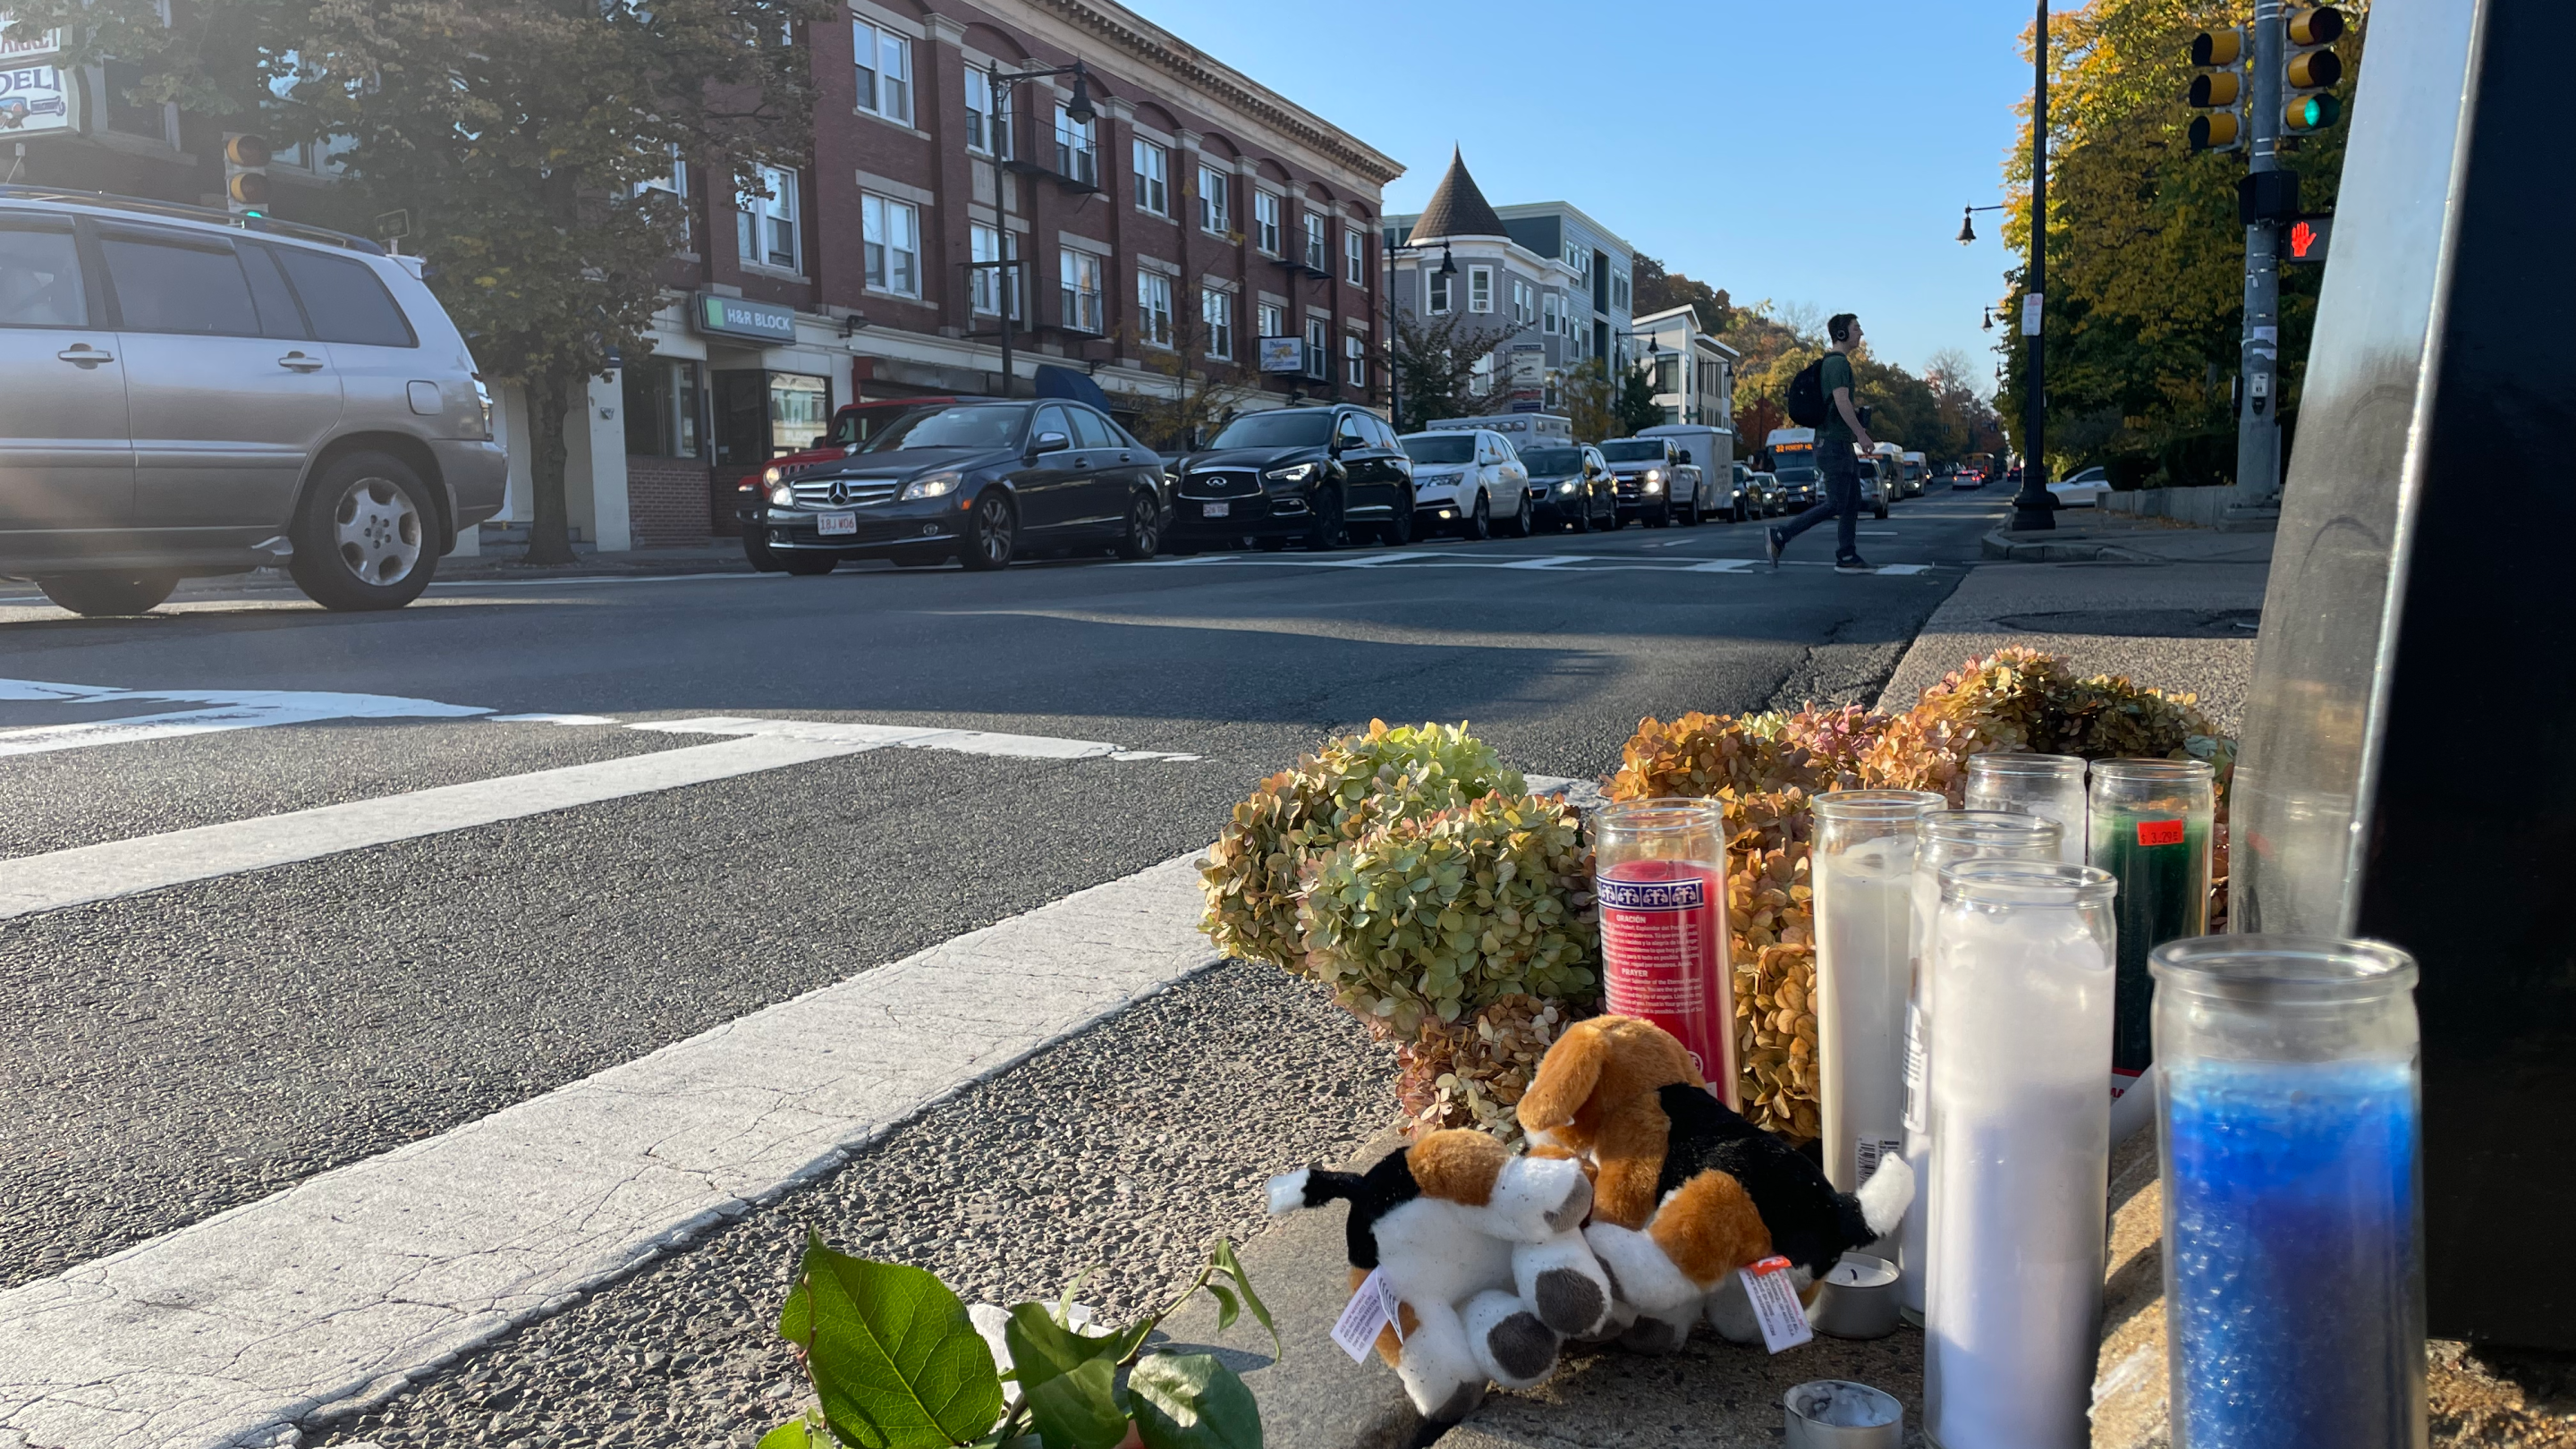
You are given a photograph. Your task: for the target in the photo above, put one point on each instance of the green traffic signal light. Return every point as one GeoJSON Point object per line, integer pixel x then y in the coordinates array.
{"type": "Point", "coordinates": [2311, 113]}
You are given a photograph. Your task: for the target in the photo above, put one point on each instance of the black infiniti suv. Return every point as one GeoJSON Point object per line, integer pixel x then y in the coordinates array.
{"type": "Point", "coordinates": [1319, 474]}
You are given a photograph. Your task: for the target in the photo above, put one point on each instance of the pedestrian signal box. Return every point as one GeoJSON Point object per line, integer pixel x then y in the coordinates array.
{"type": "Point", "coordinates": [2218, 91]}
{"type": "Point", "coordinates": [2306, 238]}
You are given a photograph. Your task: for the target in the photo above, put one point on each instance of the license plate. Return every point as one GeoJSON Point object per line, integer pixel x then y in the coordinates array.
{"type": "Point", "coordinates": [1215, 510]}
{"type": "Point", "coordinates": [828, 524]}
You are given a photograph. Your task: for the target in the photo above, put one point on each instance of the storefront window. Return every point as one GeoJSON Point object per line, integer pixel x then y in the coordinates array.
{"type": "Point", "coordinates": [800, 410]}
{"type": "Point", "coordinates": [662, 408]}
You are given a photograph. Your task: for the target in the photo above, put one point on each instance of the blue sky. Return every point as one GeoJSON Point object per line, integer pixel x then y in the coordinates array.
{"type": "Point", "coordinates": [1782, 149]}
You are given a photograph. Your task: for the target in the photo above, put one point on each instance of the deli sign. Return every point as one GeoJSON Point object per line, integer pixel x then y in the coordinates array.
{"type": "Point", "coordinates": [33, 96]}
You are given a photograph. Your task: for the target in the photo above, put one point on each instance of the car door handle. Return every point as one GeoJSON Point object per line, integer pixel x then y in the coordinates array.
{"type": "Point", "coordinates": [81, 354]}
{"type": "Point", "coordinates": [298, 362]}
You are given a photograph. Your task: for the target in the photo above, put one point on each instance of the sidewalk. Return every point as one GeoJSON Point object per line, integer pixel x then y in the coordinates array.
{"type": "Point", "coordinates": [501, 561]}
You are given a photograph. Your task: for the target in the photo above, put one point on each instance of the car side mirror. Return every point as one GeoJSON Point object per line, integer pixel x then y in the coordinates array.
{"type": "Point", "coordinates": [1050, 443]}
{"type": "Point", "coordinates": [821, 441]}
{"type": "Point", "coordinates": [1686, 455]}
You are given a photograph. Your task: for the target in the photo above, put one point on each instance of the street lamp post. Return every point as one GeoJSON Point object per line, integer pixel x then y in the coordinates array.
{"type": "Point", "coordinates": [2032, 507]}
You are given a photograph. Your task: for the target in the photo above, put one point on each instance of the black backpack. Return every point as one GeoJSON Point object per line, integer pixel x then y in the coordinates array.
{"type": "Point", "coordinates": [1807, 395]}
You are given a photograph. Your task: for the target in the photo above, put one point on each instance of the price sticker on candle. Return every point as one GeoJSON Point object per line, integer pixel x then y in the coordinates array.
{"type": "Point", "coordinates": [1918, 1116]}
{"type": "Point", "coordinates": [1372, 1307]}
{"type": "Point", "coordinates": [1775, 1304]}
{"type": "Point", "coordinates": [2160, 832]}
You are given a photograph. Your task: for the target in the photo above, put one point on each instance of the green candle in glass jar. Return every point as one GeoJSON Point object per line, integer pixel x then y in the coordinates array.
{"type": "Point", "coordinates": [2150, 828]}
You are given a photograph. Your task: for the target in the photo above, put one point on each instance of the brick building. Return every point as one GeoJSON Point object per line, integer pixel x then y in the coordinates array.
{"type": "Point", "coordinates": [1194, 213]}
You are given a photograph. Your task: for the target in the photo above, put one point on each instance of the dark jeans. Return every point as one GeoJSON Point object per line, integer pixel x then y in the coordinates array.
{"type": "Point", "coordinates": [1841, 473]}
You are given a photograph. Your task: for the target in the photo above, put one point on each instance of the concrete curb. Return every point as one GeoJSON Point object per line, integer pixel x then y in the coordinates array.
{"type": "Point", "coordinates": [2073, 548]}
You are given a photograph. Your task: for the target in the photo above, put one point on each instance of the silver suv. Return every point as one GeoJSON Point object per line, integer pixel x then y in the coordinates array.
{"type": "Point", "coordinates": [184, 395]}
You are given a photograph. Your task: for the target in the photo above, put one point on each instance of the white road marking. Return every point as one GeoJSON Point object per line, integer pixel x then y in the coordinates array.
{"type": "Point", "coordinates": [229, 709]}
{"type": "Point", "coordinates": [336, 1293]}
{"type": "Point", "coordinates": [1905, 568]}
{"type": "Point", "coordinates": [1722, 566]}
{"type": "Point", "coordinates": [910, 737]}
{"type": "Point", "coordinates": [1554, 560]}
{"type": "Point", "coordinates": [552, 719]}
{"type": "Point", "coordinates": [1592, 564]}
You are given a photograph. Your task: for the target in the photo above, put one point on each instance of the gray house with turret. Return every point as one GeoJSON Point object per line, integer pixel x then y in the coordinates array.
{"type": "Point", "coordinates": [1550, 278]}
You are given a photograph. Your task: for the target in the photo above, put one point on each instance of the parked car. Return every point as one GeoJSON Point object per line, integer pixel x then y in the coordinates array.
{"type": "Point", "coordinates": [1571, 488]}
{"type": "Point", "coordinates": [182, 397]}
{"type": "Point", "coordinates": [1874, 485]}
{"type": "Point", "coordinates": [981, 482]}
{"type": "Point", "coordinates": [1653, 480]}
{"type": "Point", "coordinates": [1466, 478]}
{"type": "Point", "coordinates": [2084, 490]}
{"type": "Point", "coordinates": [852, 425]}
{"type": "Point", "coordinates": [1316, 474]}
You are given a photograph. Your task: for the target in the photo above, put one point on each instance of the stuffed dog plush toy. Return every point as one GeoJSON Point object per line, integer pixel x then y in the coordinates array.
{"type": "Point", "coordinates": [1685, 1191]}
{"type": "Point", "coordinates": [1486, 1255]}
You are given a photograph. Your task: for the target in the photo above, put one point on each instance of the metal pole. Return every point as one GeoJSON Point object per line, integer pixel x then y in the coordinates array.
{"type": "Point", "coordinates": [2032, 506]}
{"type": "Point", "coordinates": [2258, 405]}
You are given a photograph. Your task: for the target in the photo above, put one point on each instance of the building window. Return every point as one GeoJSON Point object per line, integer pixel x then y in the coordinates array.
{"type": "Point", "coordinates": [1317, 259]}
{"type": "Point", "coordinates": [988, 116]}
{"type": "Point", "coordinates": [1620, 297]}
{"type": "Point", "coordinates": [885, 71]}
{"type": "Point", "coordinates": [1438, 287]}
{"type": "Point", "coordinates": [1319, 348]}
{"type": "Point", "coordinates": [1080, 274]}
{"type": "Point", "coordinates": [992, 284]}
{"type": "Point", "coordinates": [1668, 374]}
{"type": "Point", "coordinates": [767, 224]}
{"type": "Point", "coordinates": [1355, 257]}
{"type": "Point", "coordinates": [661, 407]}
{"type": "Point", "coordinates": [1154, 308]}
{"type": "Point", "coordinates": [1355, 360]}
{"type": "Point", "coordinates": [1153, 178]}
{"type": "Point", "coordinates": [1265, 221]}
{"type": "Point", "coordinates": [1077, 152]}
{"type": "Point", "coordinates": [126, 115]}
{"type": "Point", "coordinates": [1216, 309]}
{"type": "Point", "coordinates": [1480, 289]}
{"type": "Point", "coordinates": [1524, 303]}
{"type": "Point", "coordinates": [1547, 310]}
{"type": "Point", "coordinates": [1269, 321]}
{"type": "Point", "coordinates": [891, 244]}
{"type": "Point", "coordinates": [675, 185]}
{"type": "Point", "coordinates": [1216, 215]}
{"type": "Point", "coordinates": [1480, 375]}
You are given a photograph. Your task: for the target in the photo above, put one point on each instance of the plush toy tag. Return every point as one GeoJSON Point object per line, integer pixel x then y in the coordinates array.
{"type": "Point", "coordinates": [1775, 1304]}
{"type": "Point", "coordinates": [1371, 1308]}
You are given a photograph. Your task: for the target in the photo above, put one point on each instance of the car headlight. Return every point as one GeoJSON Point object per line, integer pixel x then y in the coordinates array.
{"type": "Point", "coordinates": [1293, 473]}
{"type": "Point", "coordinates": [781, 495]}
{"type": "Point", "coordinates": [1653, 484]}
{"type": "Point", "coordinates": [937, 485]}
{"type": "Point", "coordinates": [772, 476]}
{"type": "Point", "coordinates": [1654, 475]}
{"type": "Point", "coordinates": [1568, 486]}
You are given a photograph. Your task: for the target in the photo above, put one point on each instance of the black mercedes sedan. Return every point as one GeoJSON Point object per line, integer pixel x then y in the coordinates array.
{"type": "Point", "coordinates": [1571, 487]}
{"type": "Point", "coordinates": [1318, 474]}
{"type": "Point", "coordinates": [981, 482]}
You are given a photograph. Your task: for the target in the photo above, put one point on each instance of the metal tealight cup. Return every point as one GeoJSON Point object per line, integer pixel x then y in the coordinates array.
{"type": "Point", "coordinates": [1857, 1299]}
{"type": "Point", "coordinates": [1840, 1414]}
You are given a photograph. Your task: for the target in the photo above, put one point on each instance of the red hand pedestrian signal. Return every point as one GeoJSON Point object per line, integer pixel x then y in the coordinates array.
{"type": "Point", "coordinates": [2308, 237]}
{"type": "Point", "coordinates": [2302, 237]}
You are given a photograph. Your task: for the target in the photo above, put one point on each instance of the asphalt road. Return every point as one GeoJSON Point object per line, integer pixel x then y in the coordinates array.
{"type": "Point", "coordinates": [184, 1051]}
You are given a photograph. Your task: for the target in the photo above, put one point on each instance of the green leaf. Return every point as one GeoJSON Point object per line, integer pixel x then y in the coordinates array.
{"type": "Point", "coordinates": [1191, 1401]}
{"type": "Point", "coordinates": [1078, 1409]}
{"type": "Point", "coordinates": [1226, 1311]}
{"type": "Point", "coordinates": [896, 1362]}
{"type": "Point", "coordinates": [1042, 1348]}
{"type": "Point", "coordinates": [1222, 1255]}
{"type": "Point", "coordinates": [794, 1434]}
{"type": "Point", "coordinates": [1064, 1305]}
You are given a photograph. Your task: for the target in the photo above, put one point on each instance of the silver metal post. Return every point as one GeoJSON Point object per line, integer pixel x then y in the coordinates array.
{"type": "Point", "coordinates": [2258, 404]}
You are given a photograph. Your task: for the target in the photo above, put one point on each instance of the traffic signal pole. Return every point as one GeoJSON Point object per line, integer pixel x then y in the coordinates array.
{"type": "Point", "coordinates": [2258, 424]}
{"type": "Point", "coordinates": [2032, 506]}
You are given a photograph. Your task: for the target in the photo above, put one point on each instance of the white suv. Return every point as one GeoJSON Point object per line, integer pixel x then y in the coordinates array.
{"type": "Point", "coordinates": [183, 394]}
{"type": "Point", "coordinates": [1467, 478]}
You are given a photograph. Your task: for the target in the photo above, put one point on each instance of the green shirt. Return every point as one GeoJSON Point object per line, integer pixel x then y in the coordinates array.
{"type": "Point", "coordinates": [1837, 373]}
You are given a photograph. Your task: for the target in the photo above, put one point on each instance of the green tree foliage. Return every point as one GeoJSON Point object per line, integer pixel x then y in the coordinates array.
{"type": "Point", "coordinates": [1434, 361]}
{"type": "Point", "coordinates": [2145, 258]}
{"type": "Point", "coordinates": [1590, 402]}
{"type": "Point", "coordinates": [1636, 407]}
{"type": "Point", "coordinates": [519, 134]}
{"type": "Point", "coordinates": [1937, 413]}
{"type": "Point", "coordinates": [1653, 289]}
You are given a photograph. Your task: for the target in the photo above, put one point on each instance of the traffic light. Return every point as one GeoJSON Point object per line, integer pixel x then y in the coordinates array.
{"type": "Point", "coordinates": [2308, 68]}
{"type": "Point", "coordinates": [2219, 90]}
{"type": "Point", "coordinates": [246, 174]}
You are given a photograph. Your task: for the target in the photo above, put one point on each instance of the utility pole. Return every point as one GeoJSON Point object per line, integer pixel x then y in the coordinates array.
{"type": "Point", "coordinates": [2258, 411]}
{"type": "Point", "coordinates": [2032, 506]}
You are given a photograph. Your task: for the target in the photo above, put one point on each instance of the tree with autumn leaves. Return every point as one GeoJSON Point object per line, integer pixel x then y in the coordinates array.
{"type": "Point", "coordinates": [2146, 259]}
{"type": "Point", "coordinates": [523, 137]}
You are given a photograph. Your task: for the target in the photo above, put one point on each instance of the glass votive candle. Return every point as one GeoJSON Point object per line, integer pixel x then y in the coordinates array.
{"type": "Point", "coordinates": [1659, 867]}
{"type": "Point", "coordinates": [2048, 786]}
{"type": "Point", "coordinates": [2150, 825]}
{"type": "Point", "coordinates": [1862, 867]}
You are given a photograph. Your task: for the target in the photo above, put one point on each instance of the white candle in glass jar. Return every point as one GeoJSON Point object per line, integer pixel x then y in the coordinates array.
{"type": "Point", "coordinates": [1862, 866]}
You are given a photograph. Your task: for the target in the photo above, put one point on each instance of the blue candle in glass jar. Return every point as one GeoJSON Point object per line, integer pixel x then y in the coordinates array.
{"type": "Point", "coordinates": [2290, 1135]}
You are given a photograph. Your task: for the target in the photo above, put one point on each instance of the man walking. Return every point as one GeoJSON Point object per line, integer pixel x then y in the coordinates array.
{"type": "Point", "coordinates": [1835, 456]}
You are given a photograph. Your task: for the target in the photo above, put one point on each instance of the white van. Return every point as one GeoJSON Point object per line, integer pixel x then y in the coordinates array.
{"type": "Point", "coordinates": [1526, 430]}
{"type": "Point", "coordinates": [1712, 451]}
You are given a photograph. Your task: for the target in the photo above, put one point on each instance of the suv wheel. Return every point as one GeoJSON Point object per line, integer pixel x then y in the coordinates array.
{"type": "Point", "coordinates": [365, 535]}
{"type": "Point", "coordinates": [1397, 531]}
{"type": "Point", "coordinates": [1328, 531]}
{"type": "Point", "coordinates": [1144, 536]}
{"type": "Point", "coordinates": [107, 596]}
{"type": "Point", "coordinates": [1478, 525]}
{"type": "Point", "coordinates": [1521, 524]}
{"type": "Point", "coordinates": [992, 532]}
